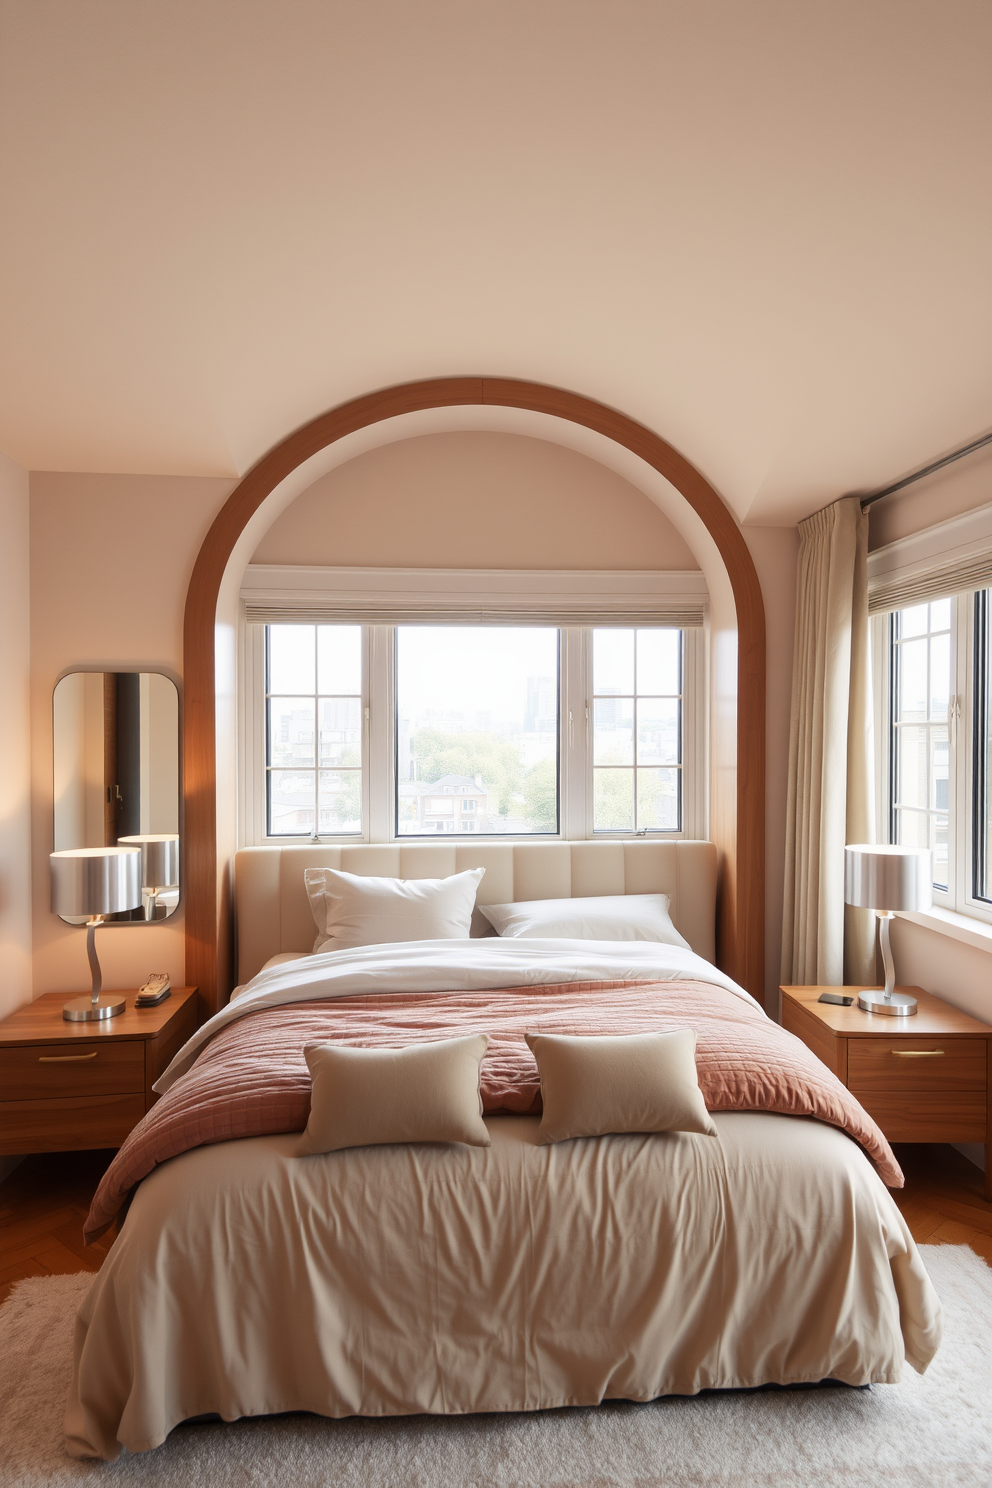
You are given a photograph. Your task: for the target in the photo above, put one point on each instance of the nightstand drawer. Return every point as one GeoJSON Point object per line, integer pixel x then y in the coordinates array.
{"type": "Point", "coordinates": [47, 1071]}
{"type": "Point", "coordinates": [68, 1125]}
{"type": "Point", "coordinates": [960, 1116]}
{"type": "Point", "coordinates": [916, 1065]}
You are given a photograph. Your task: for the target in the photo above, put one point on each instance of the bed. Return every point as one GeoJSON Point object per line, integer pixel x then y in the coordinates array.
{"type": "Point", "coordinates": [246, 1280]}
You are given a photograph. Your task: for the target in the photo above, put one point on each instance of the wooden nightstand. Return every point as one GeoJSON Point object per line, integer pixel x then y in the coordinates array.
{"type": "Point", "coordinates": [76, 1085]}
{"type": "Point", "coordinates": [926, 1078]}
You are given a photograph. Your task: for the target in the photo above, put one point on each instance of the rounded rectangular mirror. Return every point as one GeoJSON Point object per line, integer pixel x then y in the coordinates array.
{"type": "Point", "coordinates": [116, 758]}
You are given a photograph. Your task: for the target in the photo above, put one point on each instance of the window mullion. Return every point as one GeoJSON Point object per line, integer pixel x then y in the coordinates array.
{"type": "Point", "coordinates": [964, 772]}
{"type": "Point", "coordinates": [378, 709]}
{"type": "Point", "coordinates": [573, 806]}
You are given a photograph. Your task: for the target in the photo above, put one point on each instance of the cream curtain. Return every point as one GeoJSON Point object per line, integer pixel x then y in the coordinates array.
{"type": "Point", "coordinates": [830, 753]}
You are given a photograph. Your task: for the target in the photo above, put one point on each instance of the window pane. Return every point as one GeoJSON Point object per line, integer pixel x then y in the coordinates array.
{"type": "Point", "coordinates": [940, 614]}
{"type": "Point", "coordinates": [981, 806]}
{"type": "Point", "coordinates": [339, 658]}
{"type": "Point", "coordinates": [613, 735]}
{"type": "Point", "coordinates": [613, 800]}
{"type": "Point", "coordinates": [913, 622]}
{"type": "Point", "coordinates": [613, 661]}
{"type": "Point", "coordinates": [940, 852]}
{"type": "Point", "coordinates": [340, 801]}
{"type": "Point", "coordinates": [657, 732]}
{"type": "Point", "coordinates": [913, 766]}
{"type": "Point", "coordinates": [340, 731]}
{"type": "Point", "coordinates": [291, 804]}
{"type": "Point", "coordinates": [291, 658]}
{"type": "Point", "coordinates": [291, 729]}
{"type": "Point", "coordinates": [659, 653]}
{"type": "Point", "coordinates": [476, 729]}
{"type": "Point", "coordinates": [658, 800]}
{"type": "Point", "coordinates": [939, 771]}
{"type": "Point", "coordinates": [913, 829]}
{"type": "Point", "coordinates": [913, 681]}
{"type": "Point", "coordinates": [940, 675]}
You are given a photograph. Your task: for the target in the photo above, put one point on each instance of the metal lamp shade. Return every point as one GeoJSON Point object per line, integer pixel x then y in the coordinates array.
{"type": "Point", "coordinates": [159, 859]}
{"type": "Point", "coordinates": [96, 880]}
{"type": "Point", "coordinates": [888, 878]}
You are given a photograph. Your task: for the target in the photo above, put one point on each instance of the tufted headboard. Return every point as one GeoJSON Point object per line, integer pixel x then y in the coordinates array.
{"type": "Point", "coordinates": [273, 913]}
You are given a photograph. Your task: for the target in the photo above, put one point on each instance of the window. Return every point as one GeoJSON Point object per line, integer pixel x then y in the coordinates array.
{"type": "Point", "coordinates": [386, 732]}
{"type": "Point", "coordinates": [637, 698]}
{"type": "Point", "coordinates": [313, 713]}
{"type": "Point", "coordinates": [477, 718]}
{"type": "Point", "coordinates": [920, 740]}
{"type": "Point", "coordinates": [932, 663]}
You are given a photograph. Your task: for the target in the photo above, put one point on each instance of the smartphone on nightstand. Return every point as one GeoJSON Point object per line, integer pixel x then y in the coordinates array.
{"type": "Point", "coordinates": [836, 998]}
{"type": "Point", "coordinates": [155, 990]}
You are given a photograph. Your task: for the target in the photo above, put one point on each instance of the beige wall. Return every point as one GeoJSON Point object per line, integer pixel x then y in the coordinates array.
{"type": "Point", "coordinates": [15, 759]}
{"type": "Point", "coordinates": [111, 558]}
{"type": "Point", "coordinates": [474, 500]}
{"type": "Point", "coordinates": [110, 563]}
{"type": "Point", "coordinates": [958, 488]}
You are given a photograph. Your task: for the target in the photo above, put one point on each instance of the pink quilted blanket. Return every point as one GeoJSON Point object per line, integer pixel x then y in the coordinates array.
{"type": "Point", "coordinates": [252, 1078]}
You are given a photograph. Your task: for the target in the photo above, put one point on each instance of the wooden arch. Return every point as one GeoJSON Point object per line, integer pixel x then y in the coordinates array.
{"type": "Point", "coordinates": [739, 834]}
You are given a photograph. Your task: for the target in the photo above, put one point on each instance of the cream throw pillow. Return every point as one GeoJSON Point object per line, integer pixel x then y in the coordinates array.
{"type": "Point", "coordinates": [421, 1093]}
{"type": "Point", "coordinates": [639, 1082]}
{"type": "Point", "coordinates": [350, 910]}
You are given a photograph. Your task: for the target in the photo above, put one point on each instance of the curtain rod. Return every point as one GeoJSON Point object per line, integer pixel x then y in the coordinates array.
{"type": "Point", "coordinates": [927, 470]}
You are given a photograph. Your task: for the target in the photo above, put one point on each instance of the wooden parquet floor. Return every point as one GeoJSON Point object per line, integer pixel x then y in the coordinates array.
{"type": "Point", "coordinates": [44, 1201]}
{"type": "Point", "coordinates": [42, 1207]}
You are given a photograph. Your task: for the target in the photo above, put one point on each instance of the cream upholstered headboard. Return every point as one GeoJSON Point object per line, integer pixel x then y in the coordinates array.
{"type": "Point", "coordinates": [273, 913]}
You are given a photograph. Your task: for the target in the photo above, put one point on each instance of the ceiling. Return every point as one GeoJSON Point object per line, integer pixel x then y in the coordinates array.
{"type": "Point", "coordinates": [762, 227]}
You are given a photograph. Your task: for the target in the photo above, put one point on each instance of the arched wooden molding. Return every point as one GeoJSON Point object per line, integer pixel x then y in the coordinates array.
{"type": "Point", "coordinates": [742, 840]}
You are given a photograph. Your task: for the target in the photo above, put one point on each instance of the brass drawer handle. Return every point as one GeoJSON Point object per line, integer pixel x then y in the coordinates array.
{"type": "Point", "coordinates": [917, 1053]}
{"type": "Point", "coordinates": [65, 1058]}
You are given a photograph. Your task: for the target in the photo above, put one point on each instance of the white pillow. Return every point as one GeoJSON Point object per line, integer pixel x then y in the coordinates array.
{"type": "Point", "coordinates": [350, 910]}
{"type": "Point", "coordinates": [605, 917]}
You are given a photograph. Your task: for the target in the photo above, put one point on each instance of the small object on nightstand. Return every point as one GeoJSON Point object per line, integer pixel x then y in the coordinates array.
{"type": "Point", "coordinates": [836, 998]}
{"type": "Point", "coordinates": [886, 879]}
{"type": "Point", "coordinates": [154, 991]}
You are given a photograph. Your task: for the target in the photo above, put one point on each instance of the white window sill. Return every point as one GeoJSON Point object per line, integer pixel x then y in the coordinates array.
{"type": "Point", "coordinates": [948, 922]}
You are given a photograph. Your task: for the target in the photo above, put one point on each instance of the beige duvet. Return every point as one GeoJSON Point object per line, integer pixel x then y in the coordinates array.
{"type": "Point", "coordinates": [247, 1280]}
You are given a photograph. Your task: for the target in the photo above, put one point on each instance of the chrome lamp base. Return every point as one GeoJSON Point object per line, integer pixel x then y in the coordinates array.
{"type": "Point", "coordinates": [93, 1009]}
{"type": "Point", "coordinates": [87, 1010]}
{"type": "Point", "coordinates": [896, 1004]}
{"type": "Point", "coordinates": [888, 1000]}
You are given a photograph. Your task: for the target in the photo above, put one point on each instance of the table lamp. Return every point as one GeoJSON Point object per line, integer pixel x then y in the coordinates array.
{"type": "Point", "coordinates": [95, 881]}
{"type": "Point", "coordinates": [159, 865]}
{"type": "Point", "coordinates": [886, 879]}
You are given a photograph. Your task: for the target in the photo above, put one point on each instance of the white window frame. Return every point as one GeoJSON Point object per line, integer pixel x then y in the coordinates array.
{"type": "Point", "coordinates": [958, 898]}
{"type": "Point", "coordinates": [575, 786]}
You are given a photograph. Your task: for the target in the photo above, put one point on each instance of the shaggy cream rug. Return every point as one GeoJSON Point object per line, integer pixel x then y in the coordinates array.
{"type": "Point", "coordinates": [934, 1432]}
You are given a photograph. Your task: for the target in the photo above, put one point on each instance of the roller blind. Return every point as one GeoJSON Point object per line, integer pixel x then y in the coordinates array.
{"type": "Point", "coordinates": [933, 583]}
{"type": "Point", "coordinates": [948, 558]}
{"type": "Point", "coordinates": [466, 597]}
